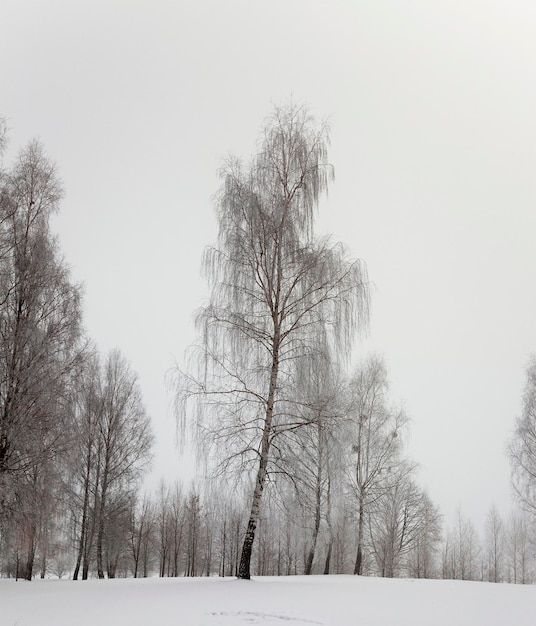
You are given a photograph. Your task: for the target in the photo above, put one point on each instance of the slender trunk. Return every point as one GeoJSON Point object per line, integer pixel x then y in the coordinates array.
{"type": "Point", "coordinates": [328, 556]}
{"type": "Point", "coordinates": [358, 568]}
{"type": "Point", "coordinates": [279, 554]}
{"type": "Point", "coordinates": [247, 546]}
{"type": "Point", "coordinates": [177, 542]}
{"type": "Point", "coordinates": [318, 505]}
{"type": "Point", "coordinates": [163, 557]}
{"type": "Point", "coordinates": [208, 557]}
{"type": "Point", "coordinates": [43, 565]}
{"type": "Point", "coordinates": [100, 532]}
{"type": "Point", "coordinates": [137, 540]}
{"type": "Point", "coordinates": [111, 568]}
{"type": "Point", "coordinates": [80, 553]}
{"type": "Point", "coordinates": [145, 561]}
{"type": "Point", "coordinates": [85, 567]}
{"type": "Point", "coordinates": [328, 520]}
{"type": "Point", "coordinates": [237, 548]}
{"type": "Point", "coordinates": [83, 526]}
{"type": "Point", "coordinates": [102, 505]}
{"type": "Point", "coordinates": [44, 546]}
{"type": "Point", "coordinates": [100, 541]}
{"type": "Point", "coordinates": [30, 557]}
{"type": "Point", "coordinates": [224, 547]}
{"type": "Point", "coordinates": [136, 562]}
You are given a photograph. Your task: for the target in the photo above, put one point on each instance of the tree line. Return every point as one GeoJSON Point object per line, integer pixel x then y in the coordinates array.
{"type": "Point", "coordinates": [305, 466]}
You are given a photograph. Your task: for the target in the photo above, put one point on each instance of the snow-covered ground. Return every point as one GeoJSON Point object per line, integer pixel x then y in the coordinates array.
{"type": "Point", "coordinates": [294, 601]}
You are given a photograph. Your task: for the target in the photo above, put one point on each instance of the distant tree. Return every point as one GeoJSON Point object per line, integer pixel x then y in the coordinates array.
{"type": "Point", "coordinates": [85, 466]}
{"type": "Point", "coordinates": [519, 548]}
{"type": "Point", "coordinates": [309, 455]}
{"type": "Point", "coordinates": [162, 527]}
{"type": "Point", "coordinates": [396, 523]}
{"type": "Point", "coordinates": [194, 532]}
{"type": "Point", "coordinates": [113, 448]}
{"type": "Point", "coordinates": [373, 437]}
{"type": "Point", "coordinates": [462, 551]}
{"type": "Point", "coordinates": [171, 528]}
{"type": "Point", "coordinates": [125, 441]}
{"type": "Point", "coordinates": [494, 542]}
{"type": "Point", "coordinates": [231, 531]}
{"type": "Point", "coordinates": [278, 296]}
{"type": "Point", "coordinates": [422, 557]}
{"type": "Point", "coordinates": [142, 537]}
{"type": "Point", "coordinates": [177, 527]}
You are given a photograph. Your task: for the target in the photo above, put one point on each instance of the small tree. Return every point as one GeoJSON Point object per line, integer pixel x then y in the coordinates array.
{"type": "Point", "coordinates": [308, 457]}
{"type": "Point", "coordinates": [422, 557]}
{"type": "Point", "coordinates": [495, 541]}
{"type": "Point", "coordinates": [462, 551]}
{"type": "Point", "coordinates": [373, 434]}
{"type": "Point", "coordinates": [519, 548]}
{"type": "Point", "coordinates": [114, 447]}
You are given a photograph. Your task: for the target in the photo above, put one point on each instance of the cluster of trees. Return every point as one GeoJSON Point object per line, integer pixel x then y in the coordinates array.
{"type": "Point", "coordinates": [198, 531]}
{"type": "Point", "coordinates": [273, 408]}
{"type": "Point", "coordinates": [73, 432]}
{"type": "Point", "coordinates": [505, 553]}
{"type": "Point", "coordinates": [307, 464]}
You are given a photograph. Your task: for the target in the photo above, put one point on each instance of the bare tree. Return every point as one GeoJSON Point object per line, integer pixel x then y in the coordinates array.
{"type": "Point", "coordinates": [39, 317]}
{"type": "Point", "coordinates": [171, 526]}
{"type": "Point", "coordinates": [462, 551]}
{"type": "Point", "coordinates": [495, 545]}
{"type": "Point", "coordinates": [162, 523]}
{"type": "Point", "coordinates": [194, 532]}
{"type": "Point", "coordinates": [231, 531]}
{"type": "Point", "coordinates": [40, 348]}
{"type": "Point", "coordinates": [396, 523]}
{"type": "Point", "coordinates": [422, 559]}
{"type": "Point", "coordinates": [85, 476]}
{"type": "Point", "coordinates": [374, 431]}
{"type": "Point", "coordinates": [125, 440]}
{"type": "Point", "coordinates": [308, 456]}
{"type": "Point", "coordinates": [519, 549]}
{"type": "Point", "coordinates": [113, 447]}
{"type": "Point", "coordinates": [278, 296]}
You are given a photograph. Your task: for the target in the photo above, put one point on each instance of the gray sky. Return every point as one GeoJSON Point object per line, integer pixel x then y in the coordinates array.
{"type": "Point", "coordinates": [434, 145]}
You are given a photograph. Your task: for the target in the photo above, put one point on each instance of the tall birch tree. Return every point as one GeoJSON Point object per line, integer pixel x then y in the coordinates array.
{"type": "Point", "coordinates": [278, 295]}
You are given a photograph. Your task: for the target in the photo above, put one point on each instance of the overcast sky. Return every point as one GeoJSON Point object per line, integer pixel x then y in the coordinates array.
{"type": "Point", "coordinates": [432, 107]}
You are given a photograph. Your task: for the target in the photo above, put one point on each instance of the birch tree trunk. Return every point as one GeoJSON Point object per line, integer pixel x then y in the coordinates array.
{"type": "Point", "coordinates": [247, 546]}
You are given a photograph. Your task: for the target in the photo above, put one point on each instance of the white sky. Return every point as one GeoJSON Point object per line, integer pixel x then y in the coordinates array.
{"type": "Point", "coordinates": [432, 106]}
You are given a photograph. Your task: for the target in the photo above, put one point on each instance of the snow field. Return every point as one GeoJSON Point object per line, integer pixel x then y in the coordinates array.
{"type": "Point", "coordinates": [292, 601]}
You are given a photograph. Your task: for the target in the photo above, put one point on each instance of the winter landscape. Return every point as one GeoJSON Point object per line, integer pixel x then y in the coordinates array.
{"type": "Point", "coordinates": [267, 339]}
